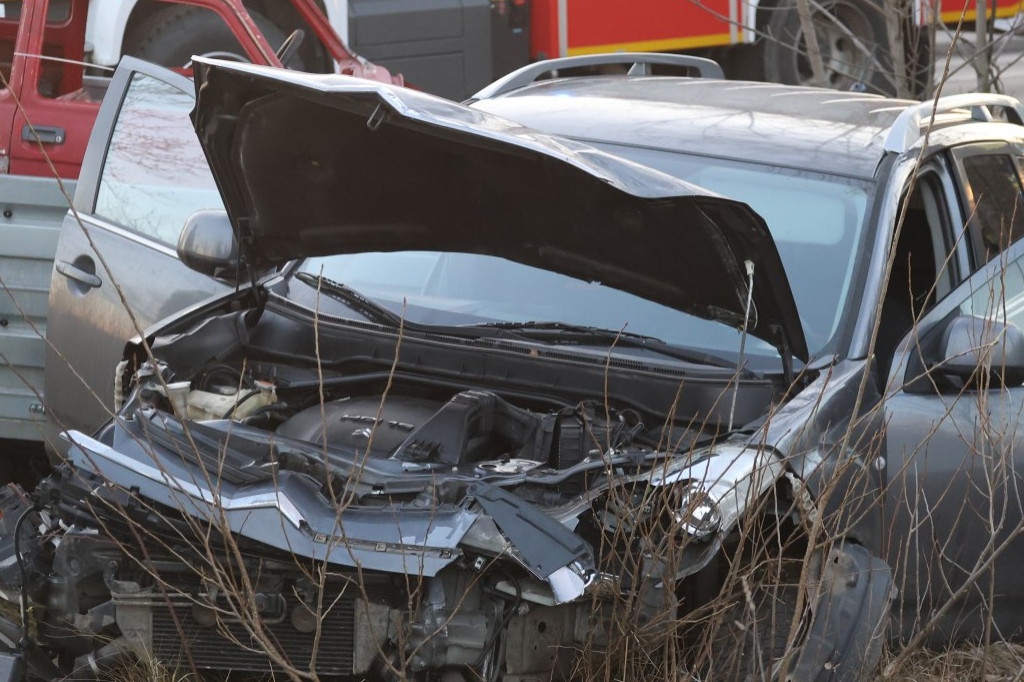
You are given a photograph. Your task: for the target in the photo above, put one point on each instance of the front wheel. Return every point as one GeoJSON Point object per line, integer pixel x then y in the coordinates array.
{"type": "Point", "coordinates": [852, 39]}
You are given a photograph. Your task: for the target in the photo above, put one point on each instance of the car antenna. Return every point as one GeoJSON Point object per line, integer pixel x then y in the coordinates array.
{"type": "Point", "coordinates": [749, 266]}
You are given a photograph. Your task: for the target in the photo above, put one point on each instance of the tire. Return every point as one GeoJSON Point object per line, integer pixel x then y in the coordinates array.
{"type": "Point", "coordinates": [171, 36]}
{"type": "Point", "coordinates": [846, 61]}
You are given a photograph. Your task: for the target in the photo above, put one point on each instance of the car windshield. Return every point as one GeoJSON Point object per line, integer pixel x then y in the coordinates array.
{"type": "Point", "coordinates": [816, 219]}
{"type": "Point", "coordinates": [440, 288]}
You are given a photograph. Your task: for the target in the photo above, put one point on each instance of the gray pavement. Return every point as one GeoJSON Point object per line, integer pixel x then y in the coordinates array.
{"type": "Point", "coordinates": [1008, 54]}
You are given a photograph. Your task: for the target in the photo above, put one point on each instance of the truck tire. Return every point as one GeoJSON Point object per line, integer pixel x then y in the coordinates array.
{"type": "Point", "coordinates": [171, 36]}
{"type": "Point", "coordinates": [837, 22]}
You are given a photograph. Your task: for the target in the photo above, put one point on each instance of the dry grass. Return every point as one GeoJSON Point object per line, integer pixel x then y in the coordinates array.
{"type": "Point", "coordinates": [998, 662]}
{"type": "Point", "coordinates": [150, 671]}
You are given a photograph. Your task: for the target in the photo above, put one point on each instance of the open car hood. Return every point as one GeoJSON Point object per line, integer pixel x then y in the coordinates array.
{"type": "Point", "coordinates": [312, 165]}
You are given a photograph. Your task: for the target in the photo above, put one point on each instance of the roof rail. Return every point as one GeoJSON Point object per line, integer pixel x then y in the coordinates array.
{"type": "Point", "coordinates": [909, 126]}
{"type": "Point", "coordinates": [640, 65]}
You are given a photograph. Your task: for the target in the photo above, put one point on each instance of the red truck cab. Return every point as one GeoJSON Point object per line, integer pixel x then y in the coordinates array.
{"type": "Point", "coordinates": [41, 52]}
{"type": "Point", "coordinates": [50, 98]}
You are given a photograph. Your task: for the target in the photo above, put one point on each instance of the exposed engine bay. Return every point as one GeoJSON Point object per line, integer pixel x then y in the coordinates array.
{"type": "Point", "coordinates": [248, 514]}
{"type": "Point", "coordinates": [372, 535]}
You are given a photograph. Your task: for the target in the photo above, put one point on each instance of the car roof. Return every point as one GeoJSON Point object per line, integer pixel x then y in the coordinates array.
{"type": "Point", "coordinates": [800, 127]}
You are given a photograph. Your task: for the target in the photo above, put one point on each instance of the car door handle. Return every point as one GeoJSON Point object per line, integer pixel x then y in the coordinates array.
{"type": "Point", "coordinates": [84, 278]}
{"type": "Point", "coordinates": [44, 134]}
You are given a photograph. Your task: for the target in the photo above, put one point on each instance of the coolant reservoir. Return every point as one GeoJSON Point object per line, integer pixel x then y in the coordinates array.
{"type": "Point", "coordinates": [204, 405]}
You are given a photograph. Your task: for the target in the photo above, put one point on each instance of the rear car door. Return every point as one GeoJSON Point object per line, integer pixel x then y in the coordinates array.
{"type": "Point", "coordinates": [116, 269]}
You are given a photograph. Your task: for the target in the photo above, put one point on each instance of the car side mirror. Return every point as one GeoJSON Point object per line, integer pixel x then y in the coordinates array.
{"type": "Point", "coordinates": [975, 348]}
{"type": "Point", "coordinates": [207, 244]}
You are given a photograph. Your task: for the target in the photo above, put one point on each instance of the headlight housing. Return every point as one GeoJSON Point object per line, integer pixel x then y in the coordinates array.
{"type": "Point", "coordinates": [717, 488]}
{"type": "Point", "coordinates": [697, 513]}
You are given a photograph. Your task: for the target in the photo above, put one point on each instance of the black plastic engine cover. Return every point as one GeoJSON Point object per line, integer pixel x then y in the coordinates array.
{"type": "Point", "coordinates": [349, 423]}
{"type": "Point", "coordinates": [475, 426]}
{"type": "Point", "coordinates": [472, 426]}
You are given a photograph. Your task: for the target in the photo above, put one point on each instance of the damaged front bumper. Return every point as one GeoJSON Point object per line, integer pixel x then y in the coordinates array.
{"type": "Point", "coordinates": [147, 554]}
{"type": "Point", "coordinates": [293, 512]}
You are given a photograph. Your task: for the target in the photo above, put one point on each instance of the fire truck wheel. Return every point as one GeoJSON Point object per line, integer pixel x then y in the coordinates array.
{"type": "Point", "coordinates": [852, 39]}
{"type": "Point", "coordinates": [171, 36]}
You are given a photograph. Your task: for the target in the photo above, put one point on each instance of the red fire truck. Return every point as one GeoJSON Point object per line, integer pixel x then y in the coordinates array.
{"type": "Point", "coordinates": [453, 47]}
{"type": "Point", "coordinates": [759, 38]}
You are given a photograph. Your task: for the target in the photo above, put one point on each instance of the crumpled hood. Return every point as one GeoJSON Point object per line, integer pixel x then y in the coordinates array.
{"type": "Point", "coordinates": [312, 165]}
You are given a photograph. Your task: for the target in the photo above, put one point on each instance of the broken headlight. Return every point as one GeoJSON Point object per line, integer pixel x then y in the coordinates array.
{"type": "Point", "coordinates": [697, 513]}
{"type": "Point", "coordinates": [717, 488]}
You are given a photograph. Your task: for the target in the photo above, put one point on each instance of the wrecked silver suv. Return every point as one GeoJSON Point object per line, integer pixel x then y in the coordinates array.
{"type": "Point", "coordinates": [899, 226]}
{"type": "Point", "coordinates": [485, 406]}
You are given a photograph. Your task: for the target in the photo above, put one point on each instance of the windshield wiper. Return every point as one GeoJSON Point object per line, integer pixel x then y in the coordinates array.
{"type": "Point", "coordinates": [352, 298]}
{"type": "Point", "coordinates": [547, 332]}
{"type": "Point", "coordinates": [565, 333]}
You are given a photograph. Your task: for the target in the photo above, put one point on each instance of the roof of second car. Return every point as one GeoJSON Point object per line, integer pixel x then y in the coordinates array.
{"type": "Point", "coordinates": [809, 128]}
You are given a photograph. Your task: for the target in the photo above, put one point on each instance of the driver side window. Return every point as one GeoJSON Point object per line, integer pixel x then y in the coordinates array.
{"type": "Point", "coordinates": [922, 271]}
{"type": "Point", "coordinates": [155, 174]}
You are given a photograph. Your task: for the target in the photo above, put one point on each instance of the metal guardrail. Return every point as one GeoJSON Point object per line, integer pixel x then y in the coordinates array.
{"type": "Point", "coordinates": [909, 126]}
{"type": "Point", "coordinates": [640, 65]}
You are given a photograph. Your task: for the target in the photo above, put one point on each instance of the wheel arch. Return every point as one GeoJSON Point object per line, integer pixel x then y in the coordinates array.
{"type": "Point", "coordinates": [131, 14]}
{"type": "Point", "coordinates": [286, 17]}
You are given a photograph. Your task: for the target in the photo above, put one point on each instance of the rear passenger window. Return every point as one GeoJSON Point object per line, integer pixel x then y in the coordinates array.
{"type": "Point", "coordinates": [155, 175]}
{"type": "Point", "coordinates": [996, 199]}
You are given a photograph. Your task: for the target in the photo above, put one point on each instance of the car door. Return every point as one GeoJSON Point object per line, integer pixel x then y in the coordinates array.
{"type": "Point", "coordinates": [116, 269]}
{"type": "Point", "coordinates": [953, 458]}
{"type": "Point", "coordinates": [57, 103]}
{"type": "Point", "coordinates": [16, 27]}
{"type": "Point", "coordinates": [993, 196]}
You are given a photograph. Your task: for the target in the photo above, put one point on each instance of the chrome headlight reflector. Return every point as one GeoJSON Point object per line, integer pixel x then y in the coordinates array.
{"type": "Point", "coordinates": [697, 513]}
